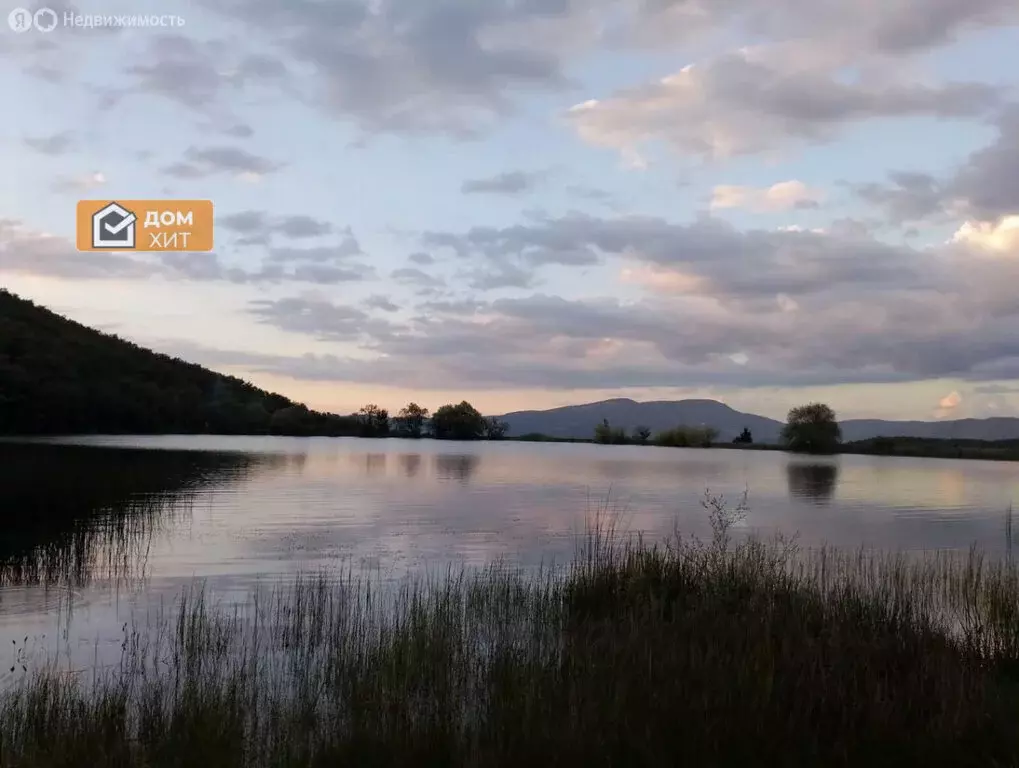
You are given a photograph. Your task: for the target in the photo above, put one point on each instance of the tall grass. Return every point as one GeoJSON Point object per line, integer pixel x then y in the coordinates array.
{"type": "Point", "coordinates": [680, 653]}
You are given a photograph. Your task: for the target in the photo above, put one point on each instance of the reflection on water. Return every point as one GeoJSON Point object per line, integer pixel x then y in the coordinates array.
{"type": "Point", "coordinates": [459, 467]}
{"type": "Point", "coordinates": [410, 464]}
{"type": "Point", "coordinates": [815, 482]}
{"type": "Point", "coordinates": [235, 511]}
{"type": "Point", "coordinates": [245, 508]}
{"type": "Point", "coordinates": [70, 514]}
{"type": "Point", "coordinates": [375, 464]}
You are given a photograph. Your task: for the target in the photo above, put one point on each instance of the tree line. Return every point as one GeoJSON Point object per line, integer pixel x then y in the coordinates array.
{"type": "Point", "coordinates": [811, 428]}
{"type": "Point", "coordinates": [453, 421]}
{"type": "Point", "coordinates": [678, 437]}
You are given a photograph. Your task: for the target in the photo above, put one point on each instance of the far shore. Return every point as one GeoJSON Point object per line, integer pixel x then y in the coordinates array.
{"type": "Point", "coordinates": [917, 447]}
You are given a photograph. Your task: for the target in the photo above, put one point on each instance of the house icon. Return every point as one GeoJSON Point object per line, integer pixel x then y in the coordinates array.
{"type": "Point", "coordinates": [113, 226]}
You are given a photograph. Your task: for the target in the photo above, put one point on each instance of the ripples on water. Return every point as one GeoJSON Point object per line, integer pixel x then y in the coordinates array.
{"type": "Point", "coordinates": [97, 529]}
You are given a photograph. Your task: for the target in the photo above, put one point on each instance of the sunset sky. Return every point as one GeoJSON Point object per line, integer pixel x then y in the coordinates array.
{"type": "Point", "coordinates": [531, 203]}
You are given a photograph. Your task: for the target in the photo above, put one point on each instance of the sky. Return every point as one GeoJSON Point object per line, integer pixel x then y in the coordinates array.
{"type": "Point", "coordinates": [533, 203]}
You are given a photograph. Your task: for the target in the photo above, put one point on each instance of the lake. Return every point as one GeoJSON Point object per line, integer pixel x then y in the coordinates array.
{"type": "Point", "coordinates": [98, 529]}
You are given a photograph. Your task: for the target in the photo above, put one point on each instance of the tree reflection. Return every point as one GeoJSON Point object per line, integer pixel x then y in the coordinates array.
{"type": "Point", "coordinates": [375, 463]}
{"type": "Point", "coordinates": [410, 463]}
{"type": "Point", "coordinates": [71, 514]}
{"type": "Point", "coordinates": [815, 481]}
{"type": "Point", "coordinates": [461, 466]}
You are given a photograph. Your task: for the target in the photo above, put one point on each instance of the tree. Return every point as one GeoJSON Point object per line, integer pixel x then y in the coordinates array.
{"type": "Point", "coordinates": [687, 437]}
{"type": "Point", "coordinates": [458, 422]}
{"type": "Point", "coordinates": [495, 429]}
{"type": "Point", "coordinates": [744, 437]}
{"type": "Point", "coordinates": [609, 435]}
{"type": "Point", "coordinates": [411, 420]}
{"type": "Point", "coordinates": [374, 421]}
{"type": "Point", "coordinates": [642, 434]}
{"type": "Point", "coordinates": [292, 421]}
{"type": "Point", "coordinates": [812, 428]}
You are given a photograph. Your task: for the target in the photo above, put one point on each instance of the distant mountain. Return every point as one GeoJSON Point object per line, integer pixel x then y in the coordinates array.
{"type": "Point", "coordinates": [580, 420]}
{"type": "Point", "coordinates": [659, 415]}
{"type": "Point", "coordinates": [999, 428]}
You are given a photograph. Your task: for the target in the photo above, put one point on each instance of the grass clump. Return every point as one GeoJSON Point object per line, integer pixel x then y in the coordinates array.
{"type": "Point", "coordinates": [681, 653]}
{"type": "Point", "coordinates": [687, 437]}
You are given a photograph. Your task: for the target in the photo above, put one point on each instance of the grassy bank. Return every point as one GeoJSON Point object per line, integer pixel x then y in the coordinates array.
{"type": "Point", "coordinates": [918, 447]}
{"type": "Point", "coordinates": [679, 654]}
{"type": "Point", "coordinates": [936, 448]}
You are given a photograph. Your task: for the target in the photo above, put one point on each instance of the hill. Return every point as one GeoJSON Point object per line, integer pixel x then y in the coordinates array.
{"type": "Point", "coordinates": [998, 428]}
{"type": "Point", "coordinates": [579, 421]}
{"type": "Point", "coordinates": [58, 376]}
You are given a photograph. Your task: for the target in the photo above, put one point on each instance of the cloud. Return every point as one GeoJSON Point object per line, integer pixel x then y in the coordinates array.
{"type": "Point", "coordinates": [199, 73]}
{"type": "Point", "coordinates": [319, 254]}
{"type": "Point", "coordinates": [502, 247]}
{"type": "Point", "coordinates": [906, 27]}
{"type": "Point", "coordinates": [260, 226]}
{"type": "Point", "coordinates": [321, 319]}
{"type": "Point", "coordinates": [748, 263]}
{"type": "Point", "coordinates": [305, 226]}
{"type": "Point", "coordinates": [659, 280]}
{"type": "Point", "coordinates": [723, 308]}
{"type": "Point", "coordinates": [985, 187]}
{"type": "Point", "coordinates": [422, 258]}
{"type": "Point", "coordinates": [989, 180]}
{"type": "Point", "coordinates": [499, 275]}
{"type": "Point", "coordinates": [948, 405]}
{"type": "Point", "coordinates": [784, 196]}
{"type": "Point", "coordinates": [27, 251]}
{"type": "Point", "coordinates": [240, 131]}
{"type": "Point", "coordinates": [459, 68]}
{"type": "Point", "coordinates": [752, 102]}
{"type": "Point", "coordinates": [910, 196]}
{"type": "Point", "coordinates": [79, 184]}
{"type": "Point", "coordinates": [415, 277]}
{"type": "Point", "coordinates": [329, 262]}
{"type": "Point", "coordinates": [715, 306]}
{"type": "Point", "coordinates": [57, 144]}
{"type": "Point", "coordinates": [996, 237]}
{"type": "Point", "coordinates": [996, 389]}
{"type": "Point", "coordinates": [406, 67]}
{"type": "Point", "coordinates": [179, 68]}
{"type": "Point", "coordinates": [509, 183]}
{"type": "Point", "coordinates": [802, 308]}
{"type": "Point", "coordinates": [381, 302]}
{"type": "Point", "coordinates": [201, 162]}
{"type": "Point", "coordinates": [30, 252]}
{"type": "Point", "coordinates": [592, 194]}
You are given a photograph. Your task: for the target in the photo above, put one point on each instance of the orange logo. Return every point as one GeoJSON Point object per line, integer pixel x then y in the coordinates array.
{"type": "Point", "coordinates": [144, 225]}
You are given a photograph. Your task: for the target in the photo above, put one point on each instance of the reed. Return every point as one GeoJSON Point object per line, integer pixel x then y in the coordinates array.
{"type": "Point", "coordinates": [682, 652]}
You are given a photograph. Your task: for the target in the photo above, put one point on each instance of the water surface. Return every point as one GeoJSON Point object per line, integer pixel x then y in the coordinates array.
{"type": "Point", "coordinates": [96, 530]}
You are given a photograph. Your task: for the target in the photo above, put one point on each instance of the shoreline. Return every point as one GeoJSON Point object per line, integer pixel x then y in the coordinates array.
{"type": "Point", "coordinates": [903, 447]}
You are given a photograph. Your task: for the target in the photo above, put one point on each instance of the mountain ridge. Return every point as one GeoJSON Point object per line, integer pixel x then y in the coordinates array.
{"type": "Point", "coordinates": [579, 421]}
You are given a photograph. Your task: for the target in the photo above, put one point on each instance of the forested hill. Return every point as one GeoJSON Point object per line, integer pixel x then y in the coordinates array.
{"type": "Point", "coordinates": [58, 376]}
